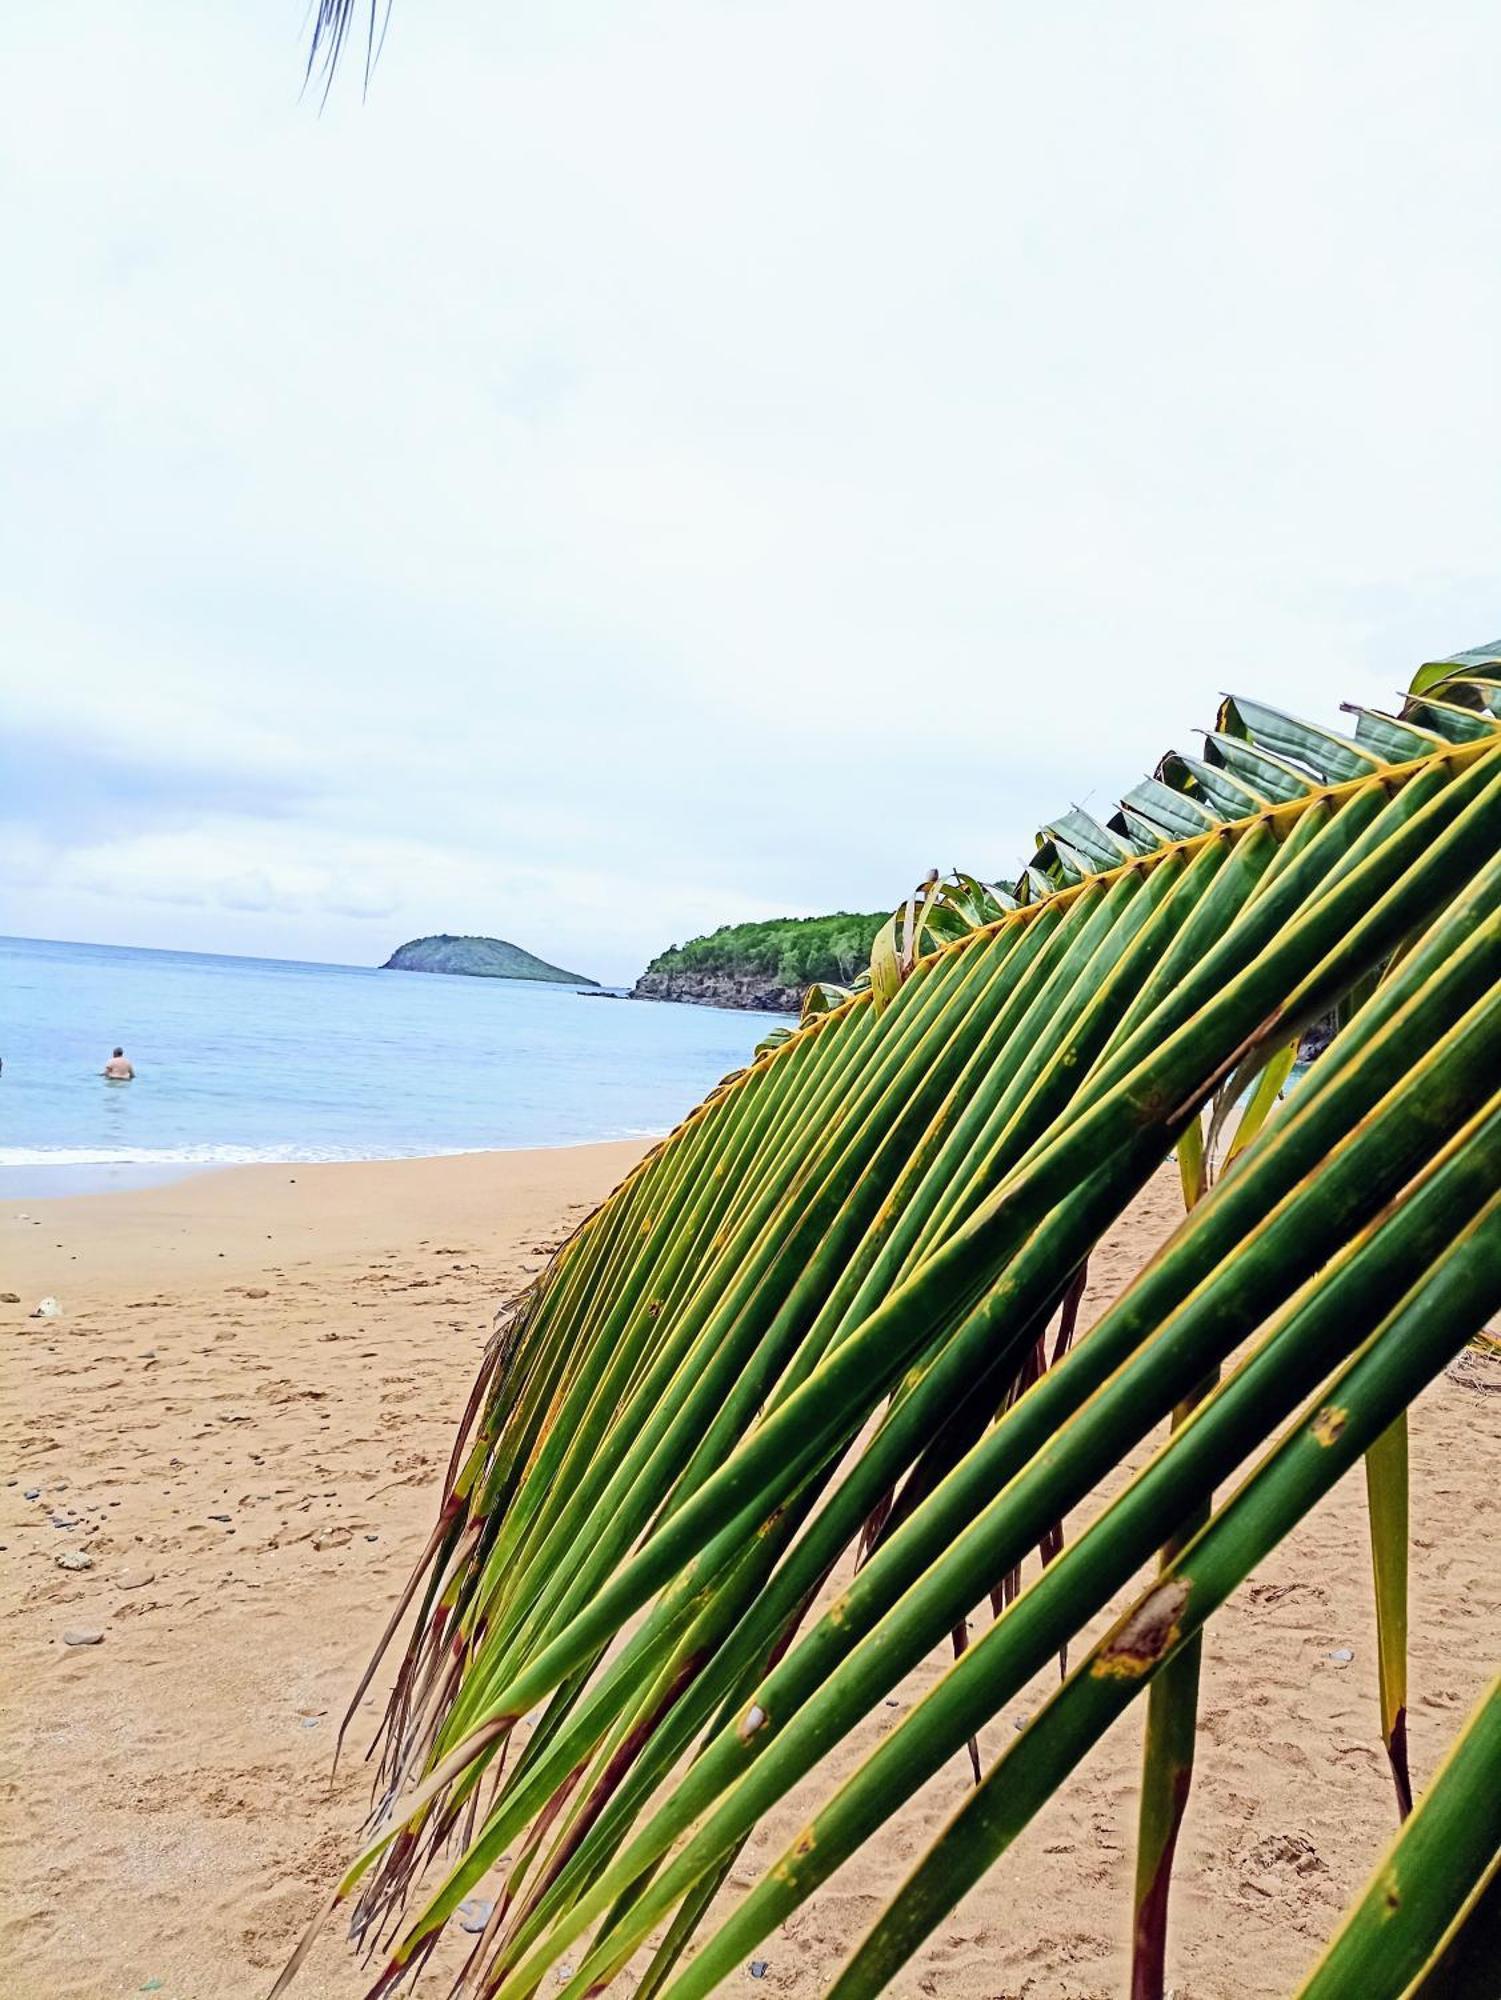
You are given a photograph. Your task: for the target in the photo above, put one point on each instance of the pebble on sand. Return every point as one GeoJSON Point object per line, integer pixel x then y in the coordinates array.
{"type": "Point", "coordinates": [83, 1635]}
{"type": "Point", "coordinates": [10, 1298]}
{"type": "Point", "coordinates": [74, 1559]}
{"type": "Point", "coordinates": [135, 1578]}
{"type": "Point", "coordinates": [474, 1914]}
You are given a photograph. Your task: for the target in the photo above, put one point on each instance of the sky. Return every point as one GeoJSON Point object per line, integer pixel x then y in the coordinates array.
{"type": "Point", "coordinates": [652, 465]}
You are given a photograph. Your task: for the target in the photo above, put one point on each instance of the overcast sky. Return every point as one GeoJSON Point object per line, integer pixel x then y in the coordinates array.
{"type": "Point", "coordinates": [652, 465]}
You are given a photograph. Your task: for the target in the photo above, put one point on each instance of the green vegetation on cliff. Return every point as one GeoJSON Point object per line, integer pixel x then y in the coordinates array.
{"type": "Point", "coordinates": [480, 958]}
{"type": "Point", "coordinates": [782, 951]}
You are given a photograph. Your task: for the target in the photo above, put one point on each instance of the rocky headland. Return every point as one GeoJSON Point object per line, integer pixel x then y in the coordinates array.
{"type": "Point", "coordinates": [720, 989]}
{"type": "Point", "coordinates": [767, 965]}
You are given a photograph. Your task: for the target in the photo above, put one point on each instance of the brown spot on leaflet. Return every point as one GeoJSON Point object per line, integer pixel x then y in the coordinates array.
{"type": "Point", "coordinates": [1145, 1634]}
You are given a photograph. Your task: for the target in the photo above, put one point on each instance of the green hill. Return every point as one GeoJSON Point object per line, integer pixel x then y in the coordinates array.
{"type": "Point", "coordinates": [763, 965]}
{"type": "Point", "coordinates": [478, 958]}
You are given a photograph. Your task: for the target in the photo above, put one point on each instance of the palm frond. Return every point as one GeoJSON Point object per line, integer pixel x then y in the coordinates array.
{"type": "Point", "coordinates": [808, 1323]}
{"type": "Point", "coordinates": [1403, 1352]}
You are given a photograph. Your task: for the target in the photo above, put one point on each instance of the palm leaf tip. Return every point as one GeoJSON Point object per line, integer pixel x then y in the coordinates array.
{"type": "Point", "coordinates": [333, 22]}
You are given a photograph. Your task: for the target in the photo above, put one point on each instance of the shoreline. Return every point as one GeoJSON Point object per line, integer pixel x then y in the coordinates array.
{"type": "Point", "coordinates": [100, 1177]}
{"type": "Point", "coordinates": [239, 1219]}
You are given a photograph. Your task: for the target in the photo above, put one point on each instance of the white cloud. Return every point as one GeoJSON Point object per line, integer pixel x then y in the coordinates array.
{"type": "Point", "coordinates": [358, 896]}
{"type": "Point", "coordinates": [647, 467]}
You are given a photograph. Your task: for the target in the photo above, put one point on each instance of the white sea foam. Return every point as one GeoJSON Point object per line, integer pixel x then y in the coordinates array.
{"type": "Point", "coordinates": [263, 1155]}
{"type": "Point", "coordinates": [256, 1156]}
{"type": "Point", "coordinates": [168, 1156]}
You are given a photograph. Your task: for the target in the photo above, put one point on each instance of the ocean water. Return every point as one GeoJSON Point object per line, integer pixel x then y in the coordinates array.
{"type": "Point", "coordinates": [243, 1059]}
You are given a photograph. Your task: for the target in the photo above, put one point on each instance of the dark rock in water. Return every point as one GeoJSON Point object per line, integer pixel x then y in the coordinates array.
{"type": "Point", "coordinates": [479, 958]}
{"type": "Point", "coordinates": [755, 991]}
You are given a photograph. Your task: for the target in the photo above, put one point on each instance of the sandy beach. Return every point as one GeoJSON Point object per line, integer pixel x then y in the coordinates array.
{"type": "Point", "coordinates": [238, 1421]}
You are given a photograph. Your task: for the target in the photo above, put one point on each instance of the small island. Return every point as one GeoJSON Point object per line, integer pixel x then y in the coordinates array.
{"type": "Point", "coordinates": [479, 958]}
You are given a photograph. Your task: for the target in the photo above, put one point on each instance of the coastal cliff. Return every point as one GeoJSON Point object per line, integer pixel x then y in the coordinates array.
{"type": "Point", "coordinates": [766, 966]}
{"type": "Point", "coordinates": [719, 989]}
{"type": "Point", "coordinates": [479, 958]}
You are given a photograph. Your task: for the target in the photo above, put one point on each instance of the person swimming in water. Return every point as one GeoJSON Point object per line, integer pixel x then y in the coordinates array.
{"type": "Point", "coordinates": [118, 1068]}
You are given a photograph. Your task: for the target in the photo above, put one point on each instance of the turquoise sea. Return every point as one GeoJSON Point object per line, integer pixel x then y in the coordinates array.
{"type": "Point", "coordinates": [242, 1059]}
